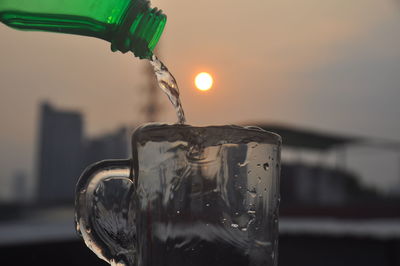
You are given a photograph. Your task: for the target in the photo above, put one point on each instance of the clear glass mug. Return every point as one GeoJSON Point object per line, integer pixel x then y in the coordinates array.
{"type": "Point", "coordinates": [190, 196]}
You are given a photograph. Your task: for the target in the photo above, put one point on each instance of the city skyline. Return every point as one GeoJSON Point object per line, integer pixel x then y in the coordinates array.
{"type": "Point", "coordinates": [65, 148]}
{"type": "Point", "coordinates": [63, 152]}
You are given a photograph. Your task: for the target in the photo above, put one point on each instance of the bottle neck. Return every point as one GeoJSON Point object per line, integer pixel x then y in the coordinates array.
{"type": "Point", "coordinates": [140, 30]}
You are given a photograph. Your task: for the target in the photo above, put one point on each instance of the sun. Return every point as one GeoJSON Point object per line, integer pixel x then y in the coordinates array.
{"type": "Point", "coordinates": [203, 81]}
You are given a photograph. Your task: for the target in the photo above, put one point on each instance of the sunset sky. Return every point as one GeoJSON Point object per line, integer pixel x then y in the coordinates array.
{"type": "Point", "coordinates": [330, 65]}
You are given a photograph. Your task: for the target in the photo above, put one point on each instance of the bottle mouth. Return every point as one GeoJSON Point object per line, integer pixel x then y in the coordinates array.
{"type": "Point", "coordinates": [146, 31]}
{"type": "Point", "coordinates": [140, 32]}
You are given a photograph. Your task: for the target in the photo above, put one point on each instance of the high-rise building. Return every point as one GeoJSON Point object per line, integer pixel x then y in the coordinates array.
{"type": "Point", "coordinates": [60, 154]}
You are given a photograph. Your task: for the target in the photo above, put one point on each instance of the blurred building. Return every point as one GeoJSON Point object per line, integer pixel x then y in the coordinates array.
{"type": "Point", "coordinates": [309, 185]}
{"type": "Point", "coordinates": [60, 154]}
{"type": "Point", "coordinates": [312, 186]}
{"type": "Point", "coordinates": [109, 146]}
{"type": "Point", "coordinates": [64, 152]}
{"type": "Point", "coordinates": [20, 187]}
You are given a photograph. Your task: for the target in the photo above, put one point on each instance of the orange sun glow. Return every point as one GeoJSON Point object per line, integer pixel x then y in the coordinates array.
{"type": "Point", "coordinates": [203, 81]}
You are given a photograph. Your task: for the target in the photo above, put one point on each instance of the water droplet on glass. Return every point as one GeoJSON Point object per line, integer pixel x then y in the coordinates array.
{"type": "Point", "coordinates": [178, 212]}
{"type": "Point", "coordinates": [243, 164]}
{"type": "Point", "coordinates": [208, 205]}
{"type": "Point", "coordinates": [262, 243]}
{"type": "Point", "coordinates": [253, 195]}
{"type": "Point", "coordinates": [266, 166]}
{"type": "Point", "coordinates": [252, 192]}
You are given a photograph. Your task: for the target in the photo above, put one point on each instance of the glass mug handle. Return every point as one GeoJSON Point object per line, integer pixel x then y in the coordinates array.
{"type": "Point", "coordinates": [104, 211]}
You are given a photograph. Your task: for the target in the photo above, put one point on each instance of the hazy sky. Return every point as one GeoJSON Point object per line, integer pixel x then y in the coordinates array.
{"type": "Point", "coordinates": [331, 65]}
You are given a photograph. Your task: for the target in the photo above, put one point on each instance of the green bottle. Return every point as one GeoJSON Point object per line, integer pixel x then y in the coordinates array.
{"type": "Point", "coordinates": [129, 25]}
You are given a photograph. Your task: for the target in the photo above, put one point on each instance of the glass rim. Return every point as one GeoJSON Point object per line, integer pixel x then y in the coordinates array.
{"type": "Point", "coordinates": [207, 135]}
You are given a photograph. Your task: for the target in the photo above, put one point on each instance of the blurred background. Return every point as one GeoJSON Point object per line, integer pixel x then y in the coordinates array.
{"type": "Point", "coordinates": [325, 75]}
